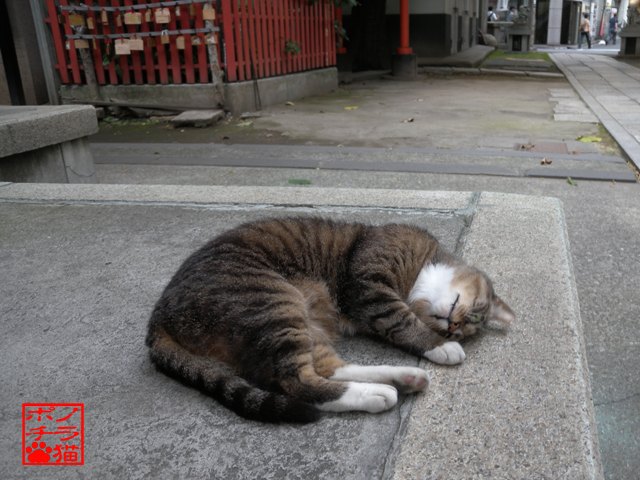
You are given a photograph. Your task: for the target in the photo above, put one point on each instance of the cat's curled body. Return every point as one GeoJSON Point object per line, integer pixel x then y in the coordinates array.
{"type": "Point", "coordinates": [250, 318]}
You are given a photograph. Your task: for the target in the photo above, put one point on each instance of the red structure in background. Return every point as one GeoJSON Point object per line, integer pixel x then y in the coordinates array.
{"type": "Point", "coordinates": [404, 48]}
{"type": "Point", "coordinates": [253, 37]}
{"type": "Point", "coordinates": [341, 48]}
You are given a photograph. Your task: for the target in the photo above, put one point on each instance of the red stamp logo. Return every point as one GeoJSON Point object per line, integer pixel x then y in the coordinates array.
{"type": "Point", "coordinates": [52, 433]}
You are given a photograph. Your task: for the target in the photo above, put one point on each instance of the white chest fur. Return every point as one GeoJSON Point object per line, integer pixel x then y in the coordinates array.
{"type": "Point", "coordinates": [434, 284]}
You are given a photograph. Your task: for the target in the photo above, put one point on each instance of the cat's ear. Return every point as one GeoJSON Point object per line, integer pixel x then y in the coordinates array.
{"type": "Point", "coordinates": [501, 312]}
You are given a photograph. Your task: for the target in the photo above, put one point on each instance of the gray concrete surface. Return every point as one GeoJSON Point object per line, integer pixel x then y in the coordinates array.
{"type": "Point", "coordinates": [24, 129]}
{"type": "Point", "coordinates": [239, 96]}
{"type": "Point", "coordinates": [47, 144]}
{"type": "Point", "coordinates": [506, 162]}
{"type": "Point", "coordinates": [520, 407]}
{"type": "Point", "coordinates": [472, 114]}
{"type": "Point", "coordinates": [611, 89]}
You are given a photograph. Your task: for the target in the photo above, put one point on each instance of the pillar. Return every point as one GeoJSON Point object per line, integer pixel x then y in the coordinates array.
{"type": "Point", "coordinates": [404, 64]}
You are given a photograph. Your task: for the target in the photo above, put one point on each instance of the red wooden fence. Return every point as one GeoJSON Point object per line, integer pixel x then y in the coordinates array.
{"type": "Point", "coordinates": [253, 42]}
{"type": "Point", "coordinates": [257, 33]}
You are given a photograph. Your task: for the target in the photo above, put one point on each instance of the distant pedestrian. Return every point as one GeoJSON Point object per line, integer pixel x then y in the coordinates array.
{"type": "Point", "coordinates": [492, 15]}
{"type": "Point", "coordinates": [585, 30]}
{"type": "Point", "coordinates": [613, 29]}
{"type": "Point", "coordinates": [512, 14]}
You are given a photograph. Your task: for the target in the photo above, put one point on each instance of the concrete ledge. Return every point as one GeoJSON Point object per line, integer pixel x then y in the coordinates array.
{"type": "Point", "coordinates": [240, 96]}
{"type": "Point", "coordinates": [47, 144]}
{"type": "Point", "coordinates": [23, 129]}
{"type": "Point", "coordinates": [519, 407]}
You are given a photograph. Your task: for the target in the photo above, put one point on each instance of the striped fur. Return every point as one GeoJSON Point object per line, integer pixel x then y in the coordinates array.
{"type": "Point", "coordinates": [250, 318]}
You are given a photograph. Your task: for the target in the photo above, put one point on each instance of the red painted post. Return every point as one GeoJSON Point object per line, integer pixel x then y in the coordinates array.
{"type": "Point", "coordinates": [404, 48]}
{"type": "Point", "coordinates": [58, 41]}
{"type": "Point", "coordinates": [341, 48]}
{"type": "Point", "coordinates": [111, 68]}
{"type": "Point", "coordinates": [148, 51]}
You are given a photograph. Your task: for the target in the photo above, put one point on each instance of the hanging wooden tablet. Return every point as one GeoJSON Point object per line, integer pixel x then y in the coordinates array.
{"type": "Point", "coordinates": [178, 12]}
{"type": "Point", "coordinates": [196, 40]}
{"type": "Point", "coordinates": [107, 48]}
{"type": "Point", "coordinates": [162, 15]}
{"type": "Point", "coordinates": [147, 15]}
{"type": "Point", "coordinates": [211, 39]}
{"type": "Point", "coordinates": [122, 47]}
{"type": "Point", "coordinates": [151, 42]}
{"type": "Point", "coordinates": [164, 38]}
{"type": "Point", "coordinates": [76, 20]}
{"type": "Point", "coordinates": [67, 44]}
{"type": "Point", "coordinates": [61, 19]}
{"type": "Point", "coordinates": [81, 43]}
{"type": "Point", "coordinates": [90, 24]}
{"type": "Point", "coordinates": [94, 44]}
{"type": "Point", "coordinates": [192, 10]}
{"type": "Point", "coordinates": [180, 42]}
{"type": "Point", "coordinates": [209, 14]}
{"type": "Point", "coordinates": [104, 16]}
{"type": "Point", "coordinates": [133, 18]}
{"type": "Point", "coordinates": [118, 20]}
{"type": "Point", "coordinates": [136, 44]}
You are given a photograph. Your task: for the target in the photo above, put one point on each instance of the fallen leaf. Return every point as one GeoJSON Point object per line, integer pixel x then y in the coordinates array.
{"type": "Point", "coordinates": [224, 138]}
{"type": "Point", "coordinates": [575, 184]}
{"type": "Point", "coordinates": [245, 124]}
{"type": "Point", "coordinates": [339, 145]}
{"type": "Point", "coordinates": [122, 171]}
{"type": "Point", "coordinates": [589, 139]}
{"type": "Point", "coordinates": [613, 183]}
{"type": "Point", "coordinates": [545, 161]}
{"type": "Point", "coordinates": [350, 108]}
{"type": "Point", "coordinates": [299, 182]}
{"type": "Point", "coordinates": [408, 120]}
{"type": "Point", "coordinates": [575, 153]}
{"type": "Point", "coordinates": [290, 104]}
{"type": "Point", "coordinates": [527, 146]}
{"type": "Point", "coordinates": [269, 135]}
{"type": "Point", "coordinates": [321, 111]}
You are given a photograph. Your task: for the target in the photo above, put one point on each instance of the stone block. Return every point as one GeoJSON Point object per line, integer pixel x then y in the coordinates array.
{"type": "Point", "coordinates": [24, 129]}
{"type": "Point", "coordinates": [197, 118]}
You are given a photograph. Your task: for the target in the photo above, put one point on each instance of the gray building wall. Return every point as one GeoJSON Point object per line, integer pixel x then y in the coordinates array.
{"type": "Point", "coordinates": [25, 44]}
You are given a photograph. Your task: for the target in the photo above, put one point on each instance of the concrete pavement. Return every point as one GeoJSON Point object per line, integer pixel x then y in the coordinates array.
{"type": "Point", "coordinates": [520, 407]}
{"type": "Point", "coordinates": [612, 90]}
{"type": "Point", "coordinates": [602, 221]}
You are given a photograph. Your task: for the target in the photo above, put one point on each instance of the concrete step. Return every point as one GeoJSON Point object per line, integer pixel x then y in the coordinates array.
{"type": "Point", "coordinates": [486, 161]}
{"type": "Point", "coordinates": [519, 407]}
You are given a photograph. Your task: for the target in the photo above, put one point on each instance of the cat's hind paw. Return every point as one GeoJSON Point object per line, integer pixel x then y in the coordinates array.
{"type": "Point", "coordinates": [410, 379]}
{"type": "Point", "coordinates": [449, 353]}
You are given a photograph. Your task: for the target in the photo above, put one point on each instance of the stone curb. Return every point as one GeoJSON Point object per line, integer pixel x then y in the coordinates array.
{"type": "Point", "coordinates": [487, 71]}
{"type": "Point", "coordinates": [628, 143]}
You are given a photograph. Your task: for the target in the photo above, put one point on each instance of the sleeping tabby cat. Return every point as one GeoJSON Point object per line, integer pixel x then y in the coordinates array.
{"type": "Point", "coordinates": [250, 318]}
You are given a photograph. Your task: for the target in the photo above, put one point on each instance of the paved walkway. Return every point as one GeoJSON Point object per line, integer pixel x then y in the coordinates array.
{"type": "Point", "coordinates": [612, 90]}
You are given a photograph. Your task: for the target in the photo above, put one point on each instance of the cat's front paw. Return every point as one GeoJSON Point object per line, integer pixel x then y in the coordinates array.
{"type": "Point", "coordinates": [449, 353]}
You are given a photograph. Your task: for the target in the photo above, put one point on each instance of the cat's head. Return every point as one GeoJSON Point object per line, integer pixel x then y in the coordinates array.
{"type": "Point", "coordinates": [457, 301]}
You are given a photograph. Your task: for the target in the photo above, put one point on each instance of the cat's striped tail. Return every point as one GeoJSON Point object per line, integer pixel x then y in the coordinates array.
{"type": "Point", "coordinates": [222, 383]}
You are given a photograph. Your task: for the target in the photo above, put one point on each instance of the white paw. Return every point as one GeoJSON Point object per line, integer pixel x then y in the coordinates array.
{"type": "Point", "coordinates": [368, 397]}
{"type": "Point", "coordinates": [410, 379]}
{"type": "Point", "coordinates": [449, 353]}
{"type": "Point", "coordinates": [405, 379]}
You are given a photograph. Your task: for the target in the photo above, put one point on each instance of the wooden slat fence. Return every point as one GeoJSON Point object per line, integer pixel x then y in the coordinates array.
{"type": "Point", "coordinates": [257, 39]}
